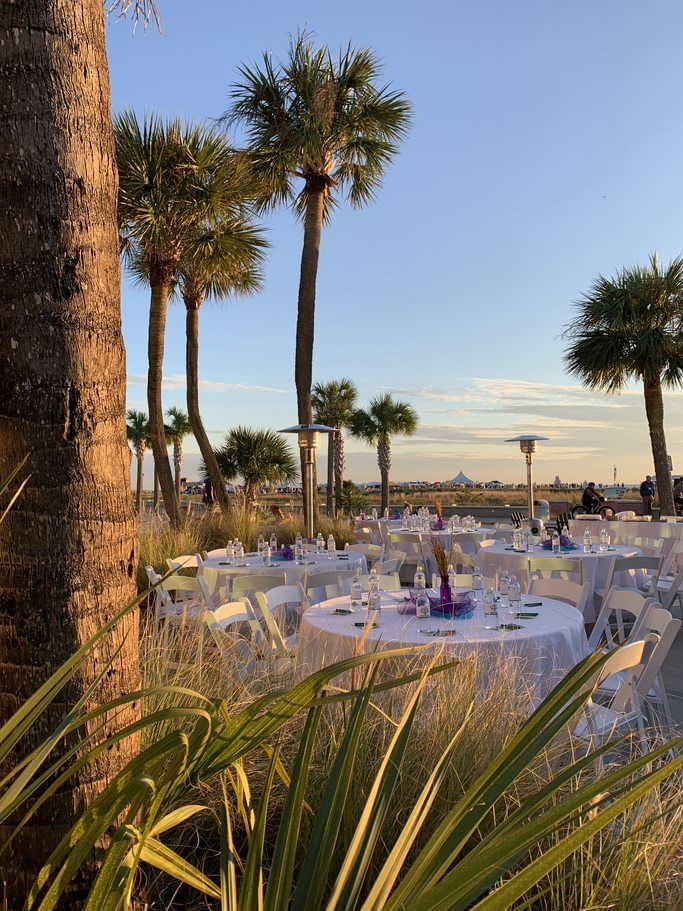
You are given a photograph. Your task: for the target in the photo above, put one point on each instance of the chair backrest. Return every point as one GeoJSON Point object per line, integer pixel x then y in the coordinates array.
{"type": "Point", "coordinates": [556, 567]}
{"type": "Point", "coordinates": [659, 622]}
{"type": "Point", "coordinates": [321, 586]}
{"type": "Point", "coordinates": [565, 590]}
{"type": "Point", "coordinates": [270, 622]}
{"type": "Point", "coordinates": [186, 561]}
{"type": "Point", "coordinates": [669, 596]}
{"type": "Point", "coordinates": [673, 562]}
{"type": "Point", "coordinates": [620, 606]}
{"type": "Point", "coordinates": [369, 551]}
{"type": "Point", "coordinates": [459, 560]}
{"type": "Point", "coordinates": [627, 662]}
{"type": "Point", "coordinates": [503, 526]}
{"type": "Point", "coordinates": [410, 544]}
{"type": "Point", "coordinates": [253, 582]}
{"type": "Point", "coordinates": [628, 564]}
{"type": "Point", "coordinates": [287, 594]}
{"type": "Point", "coordinates": [188, 588]}
{"type": "Point", "coordinates": [388, 582]}
{"type": "Point", "coordinates": [651, 547]}
{"type": "Point", "coordinates": [235, 613]}
{"type": "Point", "coordinates": [468, 542]}
{"type": "Point", "coordinates": [390, 566]}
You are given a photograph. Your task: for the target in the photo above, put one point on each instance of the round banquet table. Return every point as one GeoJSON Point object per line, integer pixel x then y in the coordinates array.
{"type": "Point", "coordinates": [500, 556]}
{"type": "Point", "coordinates": [621, 529]}
{"type": "Point", "coordinates": [549, 644]}
{"type": "Point", "coordinates": [294, 572]}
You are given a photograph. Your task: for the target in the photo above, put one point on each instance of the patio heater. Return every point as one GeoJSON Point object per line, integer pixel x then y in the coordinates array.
{"type": "Point", "coordinates": [527, 444]}
{"type": "Point", "coordinates": [308, 443]}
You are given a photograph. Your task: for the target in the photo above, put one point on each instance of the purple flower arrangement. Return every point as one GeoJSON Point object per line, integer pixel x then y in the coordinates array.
{"type": "Point", "coordinates": [566, 543]}
{"type": "Point", "coordinates": [439, 525]}
{"type": "Point", "coordinates": [285, 552]}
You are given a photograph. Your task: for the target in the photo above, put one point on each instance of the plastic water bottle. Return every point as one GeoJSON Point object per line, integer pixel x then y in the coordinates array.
{"type": "Point", "coordinates": [420, 580]}
{"type": "Point", "coordinates": [230, 551]}
{"type": "Point", "coordinates": [259, 546]}
{"type": "Point", "coordinates": [273, 543]}
{"type": "Point", "coordinates": [373, 592]}
{"type": "Point", "coordinates": [490, 602]}
{"type": "Point", "coordinates": [386, 513]}
{"type": "Point", "coordinates": [266, 554]}
{"type": "Point", "coordinates": [239, 551]}
{"type": "Point", "coordinates": [516, 539]}
{"type": "Point", "coordinates": [374, 514]}
{"type": "Point", "coordinates": [603, 541]}
{"type": "Point", "coordinates": [477, 582]}
{"type": "Point", "coordinates": [587, 541]}
{"type": "Point", "coordinates": [504, 583]}
{"type": "Point", "coordinates": [320, 543]}
{"type": "Point", "coordinates": [298, 548]}
{"type": "Point", "coordinates": [356, 589]}
{"type": "Point", "coordinates": [514, 593]}
{"type": "Point", "coordinates": [451, 577]}
{"type": "Point", "coordinates": [556, 543]}
{"type": "Point", "coordinates": [331, 546]}
{"type": "Point", "coordinates": [423, 608]}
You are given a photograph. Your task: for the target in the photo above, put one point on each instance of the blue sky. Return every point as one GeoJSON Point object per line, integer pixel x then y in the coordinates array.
{"type": "Point", "coordinates": [546, 148]}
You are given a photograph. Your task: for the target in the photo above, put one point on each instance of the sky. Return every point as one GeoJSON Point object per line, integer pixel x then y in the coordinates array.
{"type": "Point", "coordinates": [545, 150]}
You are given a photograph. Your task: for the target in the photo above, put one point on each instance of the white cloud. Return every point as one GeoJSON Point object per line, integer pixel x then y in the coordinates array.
{"type": "Point", "coordinates": [177, 381]}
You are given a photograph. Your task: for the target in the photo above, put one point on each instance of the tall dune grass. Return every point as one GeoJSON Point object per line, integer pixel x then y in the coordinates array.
{"type": "Point", "coordinates": [634, 865]}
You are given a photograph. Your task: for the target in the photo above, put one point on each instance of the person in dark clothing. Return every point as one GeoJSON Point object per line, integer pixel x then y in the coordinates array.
{"type": "Point", "coordinates": [678, 496]}
{"type": "Point", "coordinates": [591, 499]}
{"type": "Point", "coordinates": [647, 492]}
{"type": "Point", "coordinates": [208, 492]}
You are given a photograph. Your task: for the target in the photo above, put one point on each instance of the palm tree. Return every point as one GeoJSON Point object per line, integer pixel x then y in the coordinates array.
{"type": "Point", "coordinates": [222, 258]}
{"type": "Point", "coordinates": [631, 327]}
{"type": "Point", "coordinates": [178, 428]}
{"type": "Point", "coordinates": [386, 417]}
{"type": "Point", "coordinates": [330, 125]}
{"type": "Point", "coordinates": [172, 177]}
{"type": "Point", "coordinates": [70, 543]}
{"type": "Point", "coordinates": [137, 430]}
{"type": "Point", "coordinates": [259, 457]}
{"type": "Point", "coordinates": [334, 404]}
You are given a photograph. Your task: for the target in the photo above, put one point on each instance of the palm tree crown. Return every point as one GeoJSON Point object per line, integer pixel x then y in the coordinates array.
{"type": "Point", "coordinates": [178, 426]}
{"type": "Point", "coordinates": [137, 431]}
{"type": "Point", "coordinates": [631, 327]}
{"type": "Point", "coordinates": [324, 121]}
{"type": "Point", "coordinates": [258, 457]}
{"type": "Point", "coordinates": [385, 417]}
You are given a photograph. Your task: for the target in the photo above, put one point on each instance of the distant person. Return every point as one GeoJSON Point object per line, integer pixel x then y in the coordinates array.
{"type": "Point", "coordinates": [678, 497]}
{"type": "Point", "coordinates": [647, 492]}
{"type": "Point", "coordinates": [208, 492]}
{"type": "Point", "coordinates": [591, 499]}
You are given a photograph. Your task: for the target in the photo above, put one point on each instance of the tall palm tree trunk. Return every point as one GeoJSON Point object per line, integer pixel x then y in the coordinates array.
{"type": "Point", "coordinates": [160, 283]}
{"type": "Point", "coordinates": [330, 499]}
{"type": "Point", "coordinates": [177, 466]}
{"type": "Point", "coordinates": [305, 323]}
{"type": "Point", "coordinates": [196, 423]}
{"type": "Point", "coordinates": [155, 487]}
{"type": "Point", "coordinates": [384, 462]}
{"type": "Point", "coordinates": [138, 486]}
{"type": "Point", "coordinates": [68, 549]}
{"type": "Point", "coordinates": [654, 409]}
{"type": "Point", "coordinates": [339, 468]}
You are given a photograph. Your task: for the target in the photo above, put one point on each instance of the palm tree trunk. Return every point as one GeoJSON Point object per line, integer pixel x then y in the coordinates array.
{"type": "Point", "coordinates": [155, 486]}
{"type": "Point", "coordinates": [196, 423]}
{"type": "Point", "coordinates": [654, 409]}
{"type": "Point", "coordinates": [331, 512]}
{"type": "Point", "coordinates": [384, 462]}
{"type": "Point", "coordinates": [177, 467]}
{"type": "Point", "coordinates": [339, 468]}
{"type": "Point", "coordinates": [69, 546]}
{"type": "Point", "coordinates": [305, 323]}
{"type": "Point", "coordinates": [160, 284]}
{"type": "Point", "coordinates": [138, 486]}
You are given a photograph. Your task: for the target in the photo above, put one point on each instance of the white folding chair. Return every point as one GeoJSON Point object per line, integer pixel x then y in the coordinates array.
{"type": "Point", "coordinates": [245, 656]}
{"type": "Point", "coordinates": [284, 646]}
{"type": "Point", "coordinates": [600, 722]}
{"type": "Point", "coordinates": [650, 565]}
{"type": "Point", "coordinates": [556, 568]}
{"type": "Point", "coordinates": [287, 604]}
{"type": "Point", "coordinates": [670, 590]}
{"type": "Point", "coordinates": [317, 585]}
{"type": "Point", "coordinates": [467, 542]}
{"type": "Point", "coordinates": [392, 564]}
{"type": "Point", "coordinates": [619, 616]}
{"type": "Point", "coordinates": [372, 552]}
{"type": "Point", "coordinates": [659, 628]}
{"type": "Point", "coordinates": [186, 561]}
{"type": "Point", "coordinates": [245, 584]}
{"type": "Point", "coordinates": [565, 590]}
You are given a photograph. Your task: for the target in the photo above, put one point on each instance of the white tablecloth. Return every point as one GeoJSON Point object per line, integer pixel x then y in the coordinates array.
{"type": "Point", "coordinates": [497, 558]}
{"type": "Point", "coordinates": [294, 572]}
{"type": "Point", "coordinates": [550, 644]}
{"type": "Point", "coordinates": [620, 530]}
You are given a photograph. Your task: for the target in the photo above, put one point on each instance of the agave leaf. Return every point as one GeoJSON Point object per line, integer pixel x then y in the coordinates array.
{"type": "Point", "coordinates": [176, 818]}
{"type": "Point", "coordinates": [393, 865]}
{"type": "Point", "coordinates": [228, 856]}
{"type": "Point", "coordinates": [251, 894]}
{"type": "Point", "coordinates": [281, 876]}
{"type": "Point", "coordinates": [316, 864]}
{"type": "Point", "coordinates": [367, 831]}
{"type": "Point", "coordinates": [158, 855]}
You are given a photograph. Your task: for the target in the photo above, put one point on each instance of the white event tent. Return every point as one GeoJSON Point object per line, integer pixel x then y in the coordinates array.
{"type": "Point", "coordinates": [463, 480]}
